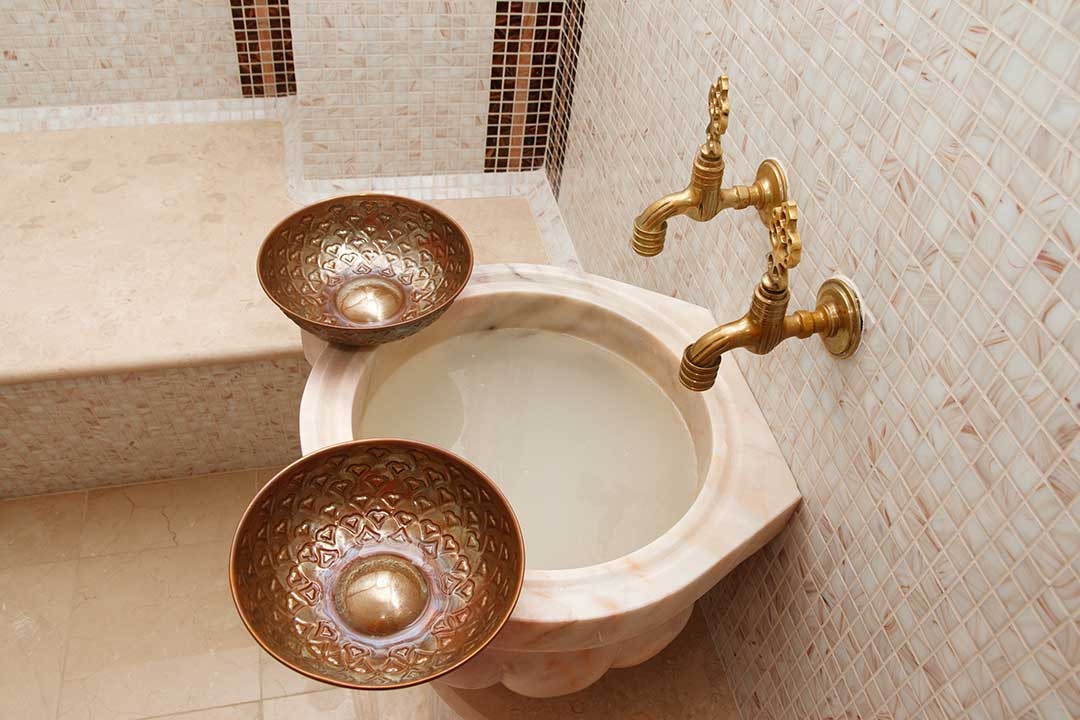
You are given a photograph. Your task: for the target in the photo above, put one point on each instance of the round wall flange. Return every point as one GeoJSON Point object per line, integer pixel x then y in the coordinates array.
{"type": "Point", "coordinates": [839, 299]}
{"type": "Point", "coordinates": [772, 179]}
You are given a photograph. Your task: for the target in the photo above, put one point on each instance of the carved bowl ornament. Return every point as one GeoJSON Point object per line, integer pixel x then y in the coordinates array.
{"type": "Point", "coordinates": [365, 269]}
{"type": "Point", "coordinates": [377, 564]}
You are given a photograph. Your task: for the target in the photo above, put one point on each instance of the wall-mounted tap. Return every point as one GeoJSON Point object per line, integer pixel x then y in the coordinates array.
{"type": "Point", "coordinates": [837, 318]}
{"type": "Point", "coordinates": [704, 197]}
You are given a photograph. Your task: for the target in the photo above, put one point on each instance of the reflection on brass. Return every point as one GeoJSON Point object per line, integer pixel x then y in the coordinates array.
{"type": "Point", "coordinates": [704, 197]}
{"type": "Point", "coordinates": [381, 595]}
{"type": "Point", "coordinates": [377, 564]}
{"type": "Point", "coordinates": [837, 318]}
{"type": "Point", "coordinates": [365, 269]}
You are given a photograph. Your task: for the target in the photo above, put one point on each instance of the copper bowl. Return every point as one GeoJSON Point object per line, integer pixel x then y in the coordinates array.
{"type": "Point", "coordinates": [377, 564]}
{"type": "Point", "coordinates": [365, 269]}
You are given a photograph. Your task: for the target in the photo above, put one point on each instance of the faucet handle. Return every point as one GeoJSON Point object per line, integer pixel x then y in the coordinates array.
{"type": "Point", "coordinates": [718, 116]}
{"type": "Point", "coordinates": [786, 245]}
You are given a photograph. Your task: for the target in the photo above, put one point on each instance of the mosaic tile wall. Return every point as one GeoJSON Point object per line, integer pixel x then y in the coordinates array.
{"type": "Point", "coordinates": [106, 51]}
{"type": "Point", "coordinates": [524, 61]}
{"type": "Point", "coordinates": [79, 433]}
{"type": "Point", "coordinates": [933, 570]}
{"type": "Point", "coordinates": [386, 87]}
{"type": "Point", "coordinates": [558, 130]}
{"type": "Point", "coordinates": [264, 47]}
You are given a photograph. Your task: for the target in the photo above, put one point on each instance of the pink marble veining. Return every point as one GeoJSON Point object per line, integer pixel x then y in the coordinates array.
{"type": "Point", "coordinates": [571, 626]}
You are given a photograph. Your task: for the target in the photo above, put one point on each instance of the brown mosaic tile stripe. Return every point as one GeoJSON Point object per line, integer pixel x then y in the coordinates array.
{"type": "Point", "coordinates": [264, 49]}
{"type": "Point", "coordinates": [573, 18]}
{"type": "Point", "coordinates": [524, 64]}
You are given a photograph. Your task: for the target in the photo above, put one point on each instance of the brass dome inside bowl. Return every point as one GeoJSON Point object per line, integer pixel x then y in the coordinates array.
{"type": "Point", "coordinates": [377, 564]}
{"type": "Point", "coordinates": [365, 269]}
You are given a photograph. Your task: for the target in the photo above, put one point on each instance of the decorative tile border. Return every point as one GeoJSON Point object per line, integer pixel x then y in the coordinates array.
{"type": "Point", "coordinates": [264, 47]}
{"type": "Point", "coordinates": [572, 20]}
{"type": "Point", "coordinates": [524, 60]}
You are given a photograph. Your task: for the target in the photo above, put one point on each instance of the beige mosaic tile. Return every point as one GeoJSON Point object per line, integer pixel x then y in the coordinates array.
{"type": "Point", "coordinates": [415, 106]}
{"type": "Point", "coordinates": [34, 610]}
{"type": "Point", "coordinates": [933, 570]}
{"type": "Point", "coordinates": [63, 53]}
{"type": "Point", "coordinates": [127, 114]}
{"type": "Point", "coordinates": [152, 424]}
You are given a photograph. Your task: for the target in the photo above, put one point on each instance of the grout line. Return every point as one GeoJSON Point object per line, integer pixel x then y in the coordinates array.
{"type": "Point", "coordinates": [71, 605]}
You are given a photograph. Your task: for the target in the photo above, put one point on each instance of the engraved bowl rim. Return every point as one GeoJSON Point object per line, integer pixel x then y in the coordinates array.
{"type": "Point", "coordinates": [329, 449]}
{"type": "Point", "coordinates": [361, 330]}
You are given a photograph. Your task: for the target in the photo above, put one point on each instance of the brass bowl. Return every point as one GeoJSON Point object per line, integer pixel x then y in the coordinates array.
{"type": "Point", "coordinates": [365, 269]}
{"type": "Point", "coordinates": [377, 564]}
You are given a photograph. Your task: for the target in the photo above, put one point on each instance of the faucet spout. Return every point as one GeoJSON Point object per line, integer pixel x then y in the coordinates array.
{"type": "Point", "coordinates": [759, 331]}
{"type": "Point", "coordinates": [837, 319]}
{"type": "Point", "coordinates": [704, 198]}
{"type": "Point", "coordinates": [700, 201]}
{"type": "Point", "coordinates": [701, 360]}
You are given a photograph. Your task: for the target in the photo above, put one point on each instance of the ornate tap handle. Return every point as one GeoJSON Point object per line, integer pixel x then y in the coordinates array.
{"type": "Point", "coordinates": [786, 245]}
{"type": "Point", "coordinates": [718, 116]}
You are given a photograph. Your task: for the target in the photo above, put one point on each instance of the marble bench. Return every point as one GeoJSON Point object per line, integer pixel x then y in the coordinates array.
{"type": "Point", "coordinates": [137, 343]}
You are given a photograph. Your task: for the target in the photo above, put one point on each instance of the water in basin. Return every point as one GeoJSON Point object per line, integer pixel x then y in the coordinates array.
{"type": "Point", "coordinates": [593, 456]}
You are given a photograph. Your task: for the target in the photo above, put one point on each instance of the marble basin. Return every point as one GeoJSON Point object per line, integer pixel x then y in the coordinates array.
{"type": "Point", "coordinates": [698, 507]}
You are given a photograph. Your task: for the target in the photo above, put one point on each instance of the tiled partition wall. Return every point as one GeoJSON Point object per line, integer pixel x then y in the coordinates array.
{"type": "Point", "coordinates": [391, 88]}
{"type": "Point", "coordinates": [933, 570]}
{"type": "Point", "coordinates": [264, 47]}
{"type": "Point", "coordinates": [112, 51]}
{"type": "Point", "coordinates": [387, 87]}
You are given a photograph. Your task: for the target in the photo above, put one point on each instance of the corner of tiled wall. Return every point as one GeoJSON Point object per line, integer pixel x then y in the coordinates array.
{"type": "Point", "coordinates": [933, 569]}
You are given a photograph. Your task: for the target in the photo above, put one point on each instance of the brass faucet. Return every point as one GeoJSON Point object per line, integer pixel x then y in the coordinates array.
{"type": "Point", "coordinates": [704, 197]}
{"type": "Point", "coordinates": [765, 325]}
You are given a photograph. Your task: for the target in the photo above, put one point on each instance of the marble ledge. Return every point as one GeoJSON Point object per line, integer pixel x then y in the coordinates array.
{"type": "Point", "coordinates": [134, 248]}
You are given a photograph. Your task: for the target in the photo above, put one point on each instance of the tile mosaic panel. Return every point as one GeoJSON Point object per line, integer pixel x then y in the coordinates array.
{"type": "Point", "coordinates": [264, 47]}
{"type": "Point", "coordinates": [105, 51]}
{"type": "Point", "coordinates": [389, 88]}
{"type": "Point", "coordinates": [562, 101]}
{"type": "Point", "coordinates": [933, 570]}
{"type": "Point", "coordinates": [59, 435]}
{"type": "Point", "coordinates": [523, 70]}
